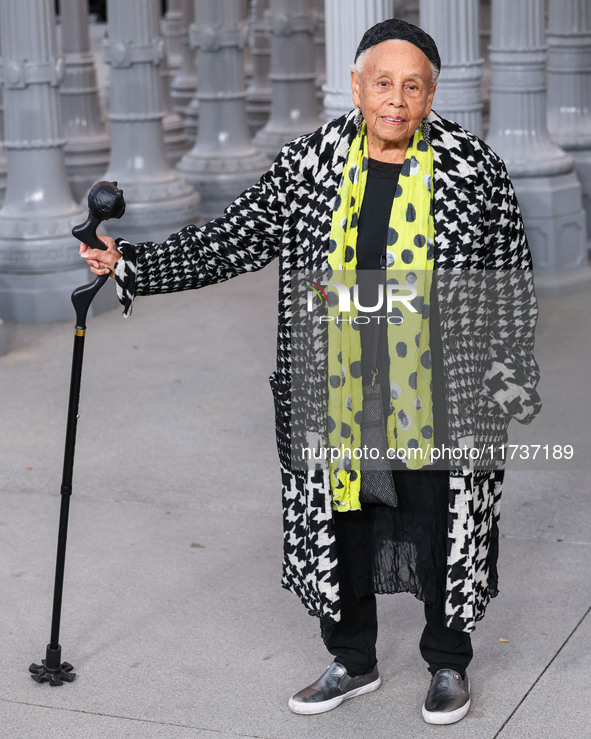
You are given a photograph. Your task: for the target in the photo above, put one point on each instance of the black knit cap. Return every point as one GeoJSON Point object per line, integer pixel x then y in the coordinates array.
{"type": "Point", "coordinates": [398, 30]}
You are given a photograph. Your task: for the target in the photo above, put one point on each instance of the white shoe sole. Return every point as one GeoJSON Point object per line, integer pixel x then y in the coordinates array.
{"type": "Point", "coordinates": [445, 717]}
{"type": "Point", "coordinates": [322, 706]}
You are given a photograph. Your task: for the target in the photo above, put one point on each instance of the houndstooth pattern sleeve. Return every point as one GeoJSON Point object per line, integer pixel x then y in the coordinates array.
{"type": "Point", "coordinates": [513, 373]}
{"type": "Point", "coordinates": [244, 239]}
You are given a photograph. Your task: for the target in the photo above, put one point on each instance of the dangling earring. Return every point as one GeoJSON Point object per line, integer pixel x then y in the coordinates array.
{"type": "Point", "coordinates": [359, 121]}
{"type": "Point", "coordinates": [426, 129]}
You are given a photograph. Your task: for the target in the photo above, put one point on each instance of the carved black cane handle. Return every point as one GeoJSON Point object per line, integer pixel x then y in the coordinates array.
{"type": "Point", "coordinates": [105, 200]}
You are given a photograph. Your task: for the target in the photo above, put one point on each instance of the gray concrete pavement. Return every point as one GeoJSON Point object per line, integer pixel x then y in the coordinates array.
{"type": "Point", "coordinates": [173, 612]}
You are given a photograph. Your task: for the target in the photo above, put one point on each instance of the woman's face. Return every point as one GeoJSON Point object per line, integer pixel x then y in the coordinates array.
{"type": "Point", "coordinates": [394, 91]}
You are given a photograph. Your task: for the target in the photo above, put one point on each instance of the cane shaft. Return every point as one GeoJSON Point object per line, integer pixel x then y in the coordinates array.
{"type": "Point", "coordinates": [66, 488]}
{"type": "Point", "coordinates": [60, 563]}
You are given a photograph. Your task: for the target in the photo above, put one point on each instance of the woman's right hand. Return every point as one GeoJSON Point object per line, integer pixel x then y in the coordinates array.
{"type": "Point", "coordinates": [101, 262]}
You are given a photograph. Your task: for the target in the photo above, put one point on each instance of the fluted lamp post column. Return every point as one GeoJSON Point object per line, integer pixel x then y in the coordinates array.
{"type": "Point", "coordinates": [87, 143]}
{"type": "Point", "coordinates": [3, 161]}
{"type": "Point", "coordinates": [192, 110]}
{"type": "Point", "coordinates": [223, 162]}
{"type": "Point", "coordinates": [258, 94]}
{"type": "Point", "coordinates": [184, 83]}
{"type": "Point", "coordinates": [3, 168]}
{"type": "Point", "coordinates": [484, 11]}
{"type": "Point", "coordinates": [293, 75]}
{"type": "Point", "coordinates": [39, 262]}
{"type": "Point", "coordinates": [320, 50]}
{"type": "Point", "coordinates": [173, 30]}
{"type": "Point", "coordinates": [454, 26]}
{"type": "Point", "coordinates": [543, 174]}
{"type": "Point", "coordinates": [159, 201]}
{"type": "Point", "coordinates": [176, 141]}
{"type": "Point", "coordinates": [175, 137]}
{"type": "Point", "coordinates": [346, 21]}
{"type": "Point", "coordinates": [569, 87]}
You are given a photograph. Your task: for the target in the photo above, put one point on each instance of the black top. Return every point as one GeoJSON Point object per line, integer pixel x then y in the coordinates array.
{"type": "Point", "coordinates": [382, 178]}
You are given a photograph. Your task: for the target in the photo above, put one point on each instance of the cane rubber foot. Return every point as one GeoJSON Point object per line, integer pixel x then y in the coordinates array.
{"type": "Point", "coordinates": [52, 669]}
{"type": "Point", "coordinates": [42, 674]}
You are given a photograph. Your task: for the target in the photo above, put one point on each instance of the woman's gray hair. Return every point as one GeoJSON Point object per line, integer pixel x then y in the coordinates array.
{"type": "Point", "coordinates": [358, 67]}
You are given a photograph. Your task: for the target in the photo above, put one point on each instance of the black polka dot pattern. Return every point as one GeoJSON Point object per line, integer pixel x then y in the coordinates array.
{"type": "Point", "coordinates": [392, 237]}
{"type": "Point", "coordinates": [356, 369]}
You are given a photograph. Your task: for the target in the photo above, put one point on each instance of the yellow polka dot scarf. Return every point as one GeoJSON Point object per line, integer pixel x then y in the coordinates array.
{"type": "Point", "coordinates": [409, 265]}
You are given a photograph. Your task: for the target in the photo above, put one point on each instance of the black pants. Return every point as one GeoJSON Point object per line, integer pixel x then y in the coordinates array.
{"type": "Point", "coordinates": [352, 641]}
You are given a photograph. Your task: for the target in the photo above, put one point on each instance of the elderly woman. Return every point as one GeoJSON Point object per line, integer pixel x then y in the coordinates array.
{"type": "Point", "coordinates": [390, 184]}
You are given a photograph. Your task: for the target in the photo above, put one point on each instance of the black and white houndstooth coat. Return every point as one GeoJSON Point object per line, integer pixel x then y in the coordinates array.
{"type": "Point", "coordinates": [487, 332]}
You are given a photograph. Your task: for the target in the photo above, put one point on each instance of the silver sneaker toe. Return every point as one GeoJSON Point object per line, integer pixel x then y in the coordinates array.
{"type": "Point", "coordinates": [448, 698]}
{"type": "Point", "coordinates": [332, 688]}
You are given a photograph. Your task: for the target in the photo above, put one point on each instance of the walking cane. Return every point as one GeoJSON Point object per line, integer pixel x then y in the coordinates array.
{"type": "Point", "coordinates": [105, 201]}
